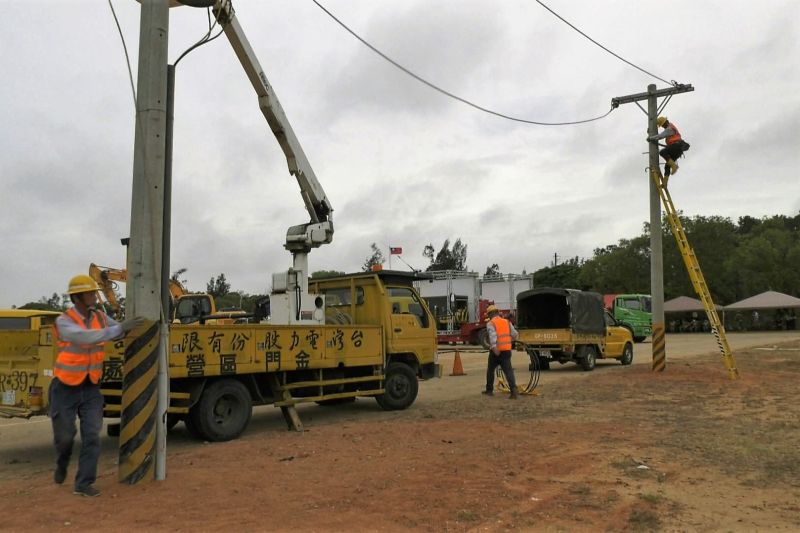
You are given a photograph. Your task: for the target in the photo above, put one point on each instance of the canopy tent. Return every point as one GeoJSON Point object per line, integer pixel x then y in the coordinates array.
{"type": "Point", "coordinates": [765, 300]}
{"type": "Point", "coordinates": [684, 304]}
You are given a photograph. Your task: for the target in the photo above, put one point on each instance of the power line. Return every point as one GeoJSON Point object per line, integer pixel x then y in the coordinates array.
{"type": "Point", "coordinates": [603, 47]}
{"type": "Point", "coordinates": [446, 93]}
{"type": "Point", "coordinates": [127, 59]}
{"type": "Point", "coordinates": [203, 40]}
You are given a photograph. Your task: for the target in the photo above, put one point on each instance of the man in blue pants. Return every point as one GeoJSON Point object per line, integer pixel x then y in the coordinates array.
{"type": "Point", "coordinates": [81, 332]}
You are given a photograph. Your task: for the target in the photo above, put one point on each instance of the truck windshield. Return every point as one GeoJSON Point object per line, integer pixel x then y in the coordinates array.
{"type": "Point", "coordinates": [337, 297]}
{"type": "Point", "coordinates": [404, 300]}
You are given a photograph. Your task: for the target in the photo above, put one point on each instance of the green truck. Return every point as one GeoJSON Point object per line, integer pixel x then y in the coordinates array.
{"type": "Point", "coordinates": [633, 311]}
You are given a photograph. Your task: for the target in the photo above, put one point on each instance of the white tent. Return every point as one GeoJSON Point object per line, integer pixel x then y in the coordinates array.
{"type": "Point", "coordinates": [765, 300]}
{"type": "Point", "coordinates": [684, 304]}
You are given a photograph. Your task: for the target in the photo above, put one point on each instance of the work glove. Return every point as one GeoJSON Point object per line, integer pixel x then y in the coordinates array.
{"type": "Point", "coordinates": [131, 323]}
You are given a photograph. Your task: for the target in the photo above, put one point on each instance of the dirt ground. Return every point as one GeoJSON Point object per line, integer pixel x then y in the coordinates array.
{"type": "Point", "coordinates": [617, 449]}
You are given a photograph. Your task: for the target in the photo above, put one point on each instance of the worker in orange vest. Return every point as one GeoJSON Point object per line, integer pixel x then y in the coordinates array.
{"type": "Point", "coordinates": [501, 340]}
{"type": "Point", "coordinates": [80, 334]}
{"type": "Point", "coordinates": [675, 145]}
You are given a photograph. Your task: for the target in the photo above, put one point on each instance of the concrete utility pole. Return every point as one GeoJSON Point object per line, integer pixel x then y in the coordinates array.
{"type": "Point", "coordinates": [143, 291]}
{"type": "Point", "coordinates": [656, 251]}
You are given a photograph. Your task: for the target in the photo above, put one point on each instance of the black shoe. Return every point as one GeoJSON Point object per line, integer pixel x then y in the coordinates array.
{"type": "Point", "coordinates": [487, 393]}
{"type": "Point", "coordinates": [513, 396]}
{"type": "Point", "coordinates": [60, 475]}
{"type": "Point", "coordinates": [87, 491]}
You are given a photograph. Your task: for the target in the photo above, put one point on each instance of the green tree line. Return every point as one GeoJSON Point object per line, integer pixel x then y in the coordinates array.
{"type": "Point", "coordinates": [739, 259]}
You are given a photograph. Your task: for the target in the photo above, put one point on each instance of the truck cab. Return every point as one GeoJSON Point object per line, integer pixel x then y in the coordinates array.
{"type": "Point", "coordinates": [385, 298]}
{"type": "Point", "coordinates": [633, 311]}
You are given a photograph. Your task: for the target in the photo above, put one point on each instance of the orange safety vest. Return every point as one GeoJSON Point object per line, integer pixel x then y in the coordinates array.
{"type": "Point", "coordinates": [675, 137]}
{"type": "Point", "coordinates": [75, 361]}
{"type": "Point", "coordinates": [503, 329]}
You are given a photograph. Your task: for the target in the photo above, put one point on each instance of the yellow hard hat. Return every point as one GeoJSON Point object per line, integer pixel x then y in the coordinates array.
{"type": "Point", "coordinates": [491, 309]}
{"type": "Point", "coordinates": [82, 283]}
{"type": "Point", "coordinates": [661, 121]}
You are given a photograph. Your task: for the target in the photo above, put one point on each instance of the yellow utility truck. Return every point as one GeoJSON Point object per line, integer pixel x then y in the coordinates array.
{"type": "Point", "coordinates": [25, 353]}
{"type": "Point", "coordinates": [323, 341]}
{"type": "Point", "coordinates": [566, 325]}
{"type": "Point", "coordinates": [378, 340]}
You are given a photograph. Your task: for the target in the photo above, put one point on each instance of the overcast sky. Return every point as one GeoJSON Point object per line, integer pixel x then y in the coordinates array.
{"type": "Point", "coordinates": [402, 164]}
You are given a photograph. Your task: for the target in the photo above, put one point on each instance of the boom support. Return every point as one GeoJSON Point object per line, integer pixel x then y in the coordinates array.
{"type": "Point", "coordinates": [300, 239]}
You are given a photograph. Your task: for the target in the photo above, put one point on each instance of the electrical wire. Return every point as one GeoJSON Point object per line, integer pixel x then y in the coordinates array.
{"type": "Point", "coordinates": [203, 40]}
{"type": "Point", "coordinates": [125, 48]}
{"type": "Point", "coordinates": [673, 83]}
{"type": "Point", "coordinates": [446, 93]}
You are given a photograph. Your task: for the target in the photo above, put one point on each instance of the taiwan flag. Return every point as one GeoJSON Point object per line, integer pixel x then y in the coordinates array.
{"type": "Point", "coordinates": [395, 250]}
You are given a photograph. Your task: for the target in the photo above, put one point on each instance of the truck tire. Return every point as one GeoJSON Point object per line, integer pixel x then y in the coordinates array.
{"type": "Point", "coordinates": [401, 388]}
{"type": "Point", "coordinates": [483, 338]}
{"type": "Point", "coordinates": [639, 339]}
{"type": "Point", "coordinates": [627, 354]}
{"type": "Point", "coordinates": [588, 358]}
{"type": "Point", "coordinates": [223, 411]}
{"type": "Point", "coordinates": [192, 428]}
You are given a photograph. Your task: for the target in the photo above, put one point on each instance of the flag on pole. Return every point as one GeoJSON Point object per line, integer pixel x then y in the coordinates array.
{"type": "Point", "coordinates": [395, 250]}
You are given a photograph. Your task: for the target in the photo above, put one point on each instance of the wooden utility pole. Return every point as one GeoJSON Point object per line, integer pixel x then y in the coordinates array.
{"type": "Point", "coordinates": [656, 251]}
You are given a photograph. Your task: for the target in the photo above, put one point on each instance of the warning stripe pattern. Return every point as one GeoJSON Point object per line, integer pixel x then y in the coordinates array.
{"type": "Point", "coordinates": [659, 347]}
{"type": "Point", "coordinates": [138, 418]}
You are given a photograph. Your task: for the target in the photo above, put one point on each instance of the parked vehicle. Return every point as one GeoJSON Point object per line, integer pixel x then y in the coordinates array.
{"type": "Point", "coordinates": [568, 325]}
{"type": "Point", "coordinates": [634, 311]}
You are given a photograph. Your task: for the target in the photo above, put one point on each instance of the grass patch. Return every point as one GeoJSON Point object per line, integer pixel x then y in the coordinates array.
{"type": "Point", "coordinates": [644, 520]}
{"type": "Point", "coordinates": [652, 498]}
{"type": "Point", "coordinates": [580, 490]}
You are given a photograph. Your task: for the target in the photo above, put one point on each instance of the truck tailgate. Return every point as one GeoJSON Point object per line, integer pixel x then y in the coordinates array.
{"type": "Point", "coordinates": [546, 337]}
{"type": "Point", "coordinates": [23, 388]}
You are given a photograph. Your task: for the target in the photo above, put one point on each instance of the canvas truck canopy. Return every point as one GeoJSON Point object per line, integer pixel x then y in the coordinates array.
{"type": "Point", "coordinates": [551, 308]}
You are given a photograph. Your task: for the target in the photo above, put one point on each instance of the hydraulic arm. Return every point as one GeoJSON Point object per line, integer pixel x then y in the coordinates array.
{"type": "Point", "coordinates": [300, 239]}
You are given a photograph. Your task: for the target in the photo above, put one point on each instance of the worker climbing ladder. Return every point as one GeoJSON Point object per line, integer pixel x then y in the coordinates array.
{"type": "Point", "coordinates": [695, 274]}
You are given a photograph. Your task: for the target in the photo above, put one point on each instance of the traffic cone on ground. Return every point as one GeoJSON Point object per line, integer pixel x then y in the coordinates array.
{"type": "Point", "coordinates": [458, 369]}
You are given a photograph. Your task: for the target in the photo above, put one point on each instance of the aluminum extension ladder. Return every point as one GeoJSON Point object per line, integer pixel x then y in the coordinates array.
{"type": "Point", "coordinates": [695, 274]}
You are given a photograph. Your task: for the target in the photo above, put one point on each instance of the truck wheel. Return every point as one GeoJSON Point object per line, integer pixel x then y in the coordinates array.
{"type": "Point", "coordinates": [627, 354]}
{"type": "Point", "coordinates": [223, 411]}
{"type": "Point", "coordinates": [589, 358]}
{"type": "Point", "coordinates": [192, 428]}
{"type": "Point", "coordinates": [483, 338]}
{"type": "Point", "coordinates": [639, 339]}
{"type": "Point", "coordinates": [401, 387]}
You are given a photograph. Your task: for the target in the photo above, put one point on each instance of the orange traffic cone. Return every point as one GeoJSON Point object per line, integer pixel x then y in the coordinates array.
{"type": "Point", "coordinates": [458, 369]}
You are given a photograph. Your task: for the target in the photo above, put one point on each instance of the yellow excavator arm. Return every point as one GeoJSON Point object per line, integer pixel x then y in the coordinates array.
{"type": "Point", "coordinates": [186, 306]}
